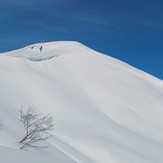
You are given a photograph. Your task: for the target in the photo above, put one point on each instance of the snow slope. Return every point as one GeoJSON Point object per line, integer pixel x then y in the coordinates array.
{"type": "Point", "coordinates": [105, 111]}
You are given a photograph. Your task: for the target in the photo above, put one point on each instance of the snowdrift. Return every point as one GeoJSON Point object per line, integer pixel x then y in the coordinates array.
{"type": "Point", "coordinates": [105, 111]}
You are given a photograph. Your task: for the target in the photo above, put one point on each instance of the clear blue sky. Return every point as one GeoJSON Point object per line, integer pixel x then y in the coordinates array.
{"type": "Point", "coordinates": [130, 30]}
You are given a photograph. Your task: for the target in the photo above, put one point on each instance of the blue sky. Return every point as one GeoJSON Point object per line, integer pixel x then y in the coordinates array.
{"type": "Point", "coordinates": [130, 30]}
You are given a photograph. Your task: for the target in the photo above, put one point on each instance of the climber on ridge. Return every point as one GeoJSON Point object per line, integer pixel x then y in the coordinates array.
{"type": "Point", "coordinates": [40, 49]}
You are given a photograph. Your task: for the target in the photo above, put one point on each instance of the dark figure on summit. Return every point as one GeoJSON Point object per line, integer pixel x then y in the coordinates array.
{"type": "Point", "coordinates": [41, 49]}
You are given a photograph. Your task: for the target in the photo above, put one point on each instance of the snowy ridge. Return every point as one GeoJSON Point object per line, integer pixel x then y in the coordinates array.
{"type": "Point", "coordinates": [105, 110]}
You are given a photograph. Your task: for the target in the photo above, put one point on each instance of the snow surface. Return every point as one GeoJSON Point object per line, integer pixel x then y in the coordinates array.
{"type": "Point", "coordinates": [105, 111]}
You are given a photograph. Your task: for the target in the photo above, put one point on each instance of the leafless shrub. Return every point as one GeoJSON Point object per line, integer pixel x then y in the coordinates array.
{"type": "Point", "coordinates": [37, 127]}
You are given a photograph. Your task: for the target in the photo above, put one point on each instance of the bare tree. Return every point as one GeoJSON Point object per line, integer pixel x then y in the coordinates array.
{"type": "Point", "coordinates": [37, 127]}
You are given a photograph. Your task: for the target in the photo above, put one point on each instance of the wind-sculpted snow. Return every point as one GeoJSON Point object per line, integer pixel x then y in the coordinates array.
{"type": "Point", "coordinates": [105, 111]}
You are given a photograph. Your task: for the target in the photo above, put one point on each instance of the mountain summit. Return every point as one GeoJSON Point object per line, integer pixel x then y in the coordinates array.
{"type": "Point", "coordinates": [105, 111]}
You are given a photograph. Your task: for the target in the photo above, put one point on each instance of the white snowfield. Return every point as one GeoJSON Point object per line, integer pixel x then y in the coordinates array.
{"type": "Point", "coordinates": [105, 111]}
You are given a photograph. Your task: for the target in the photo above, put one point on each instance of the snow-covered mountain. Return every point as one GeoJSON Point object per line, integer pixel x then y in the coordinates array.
{"type": "Point", "coordinates": [105, 111]}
